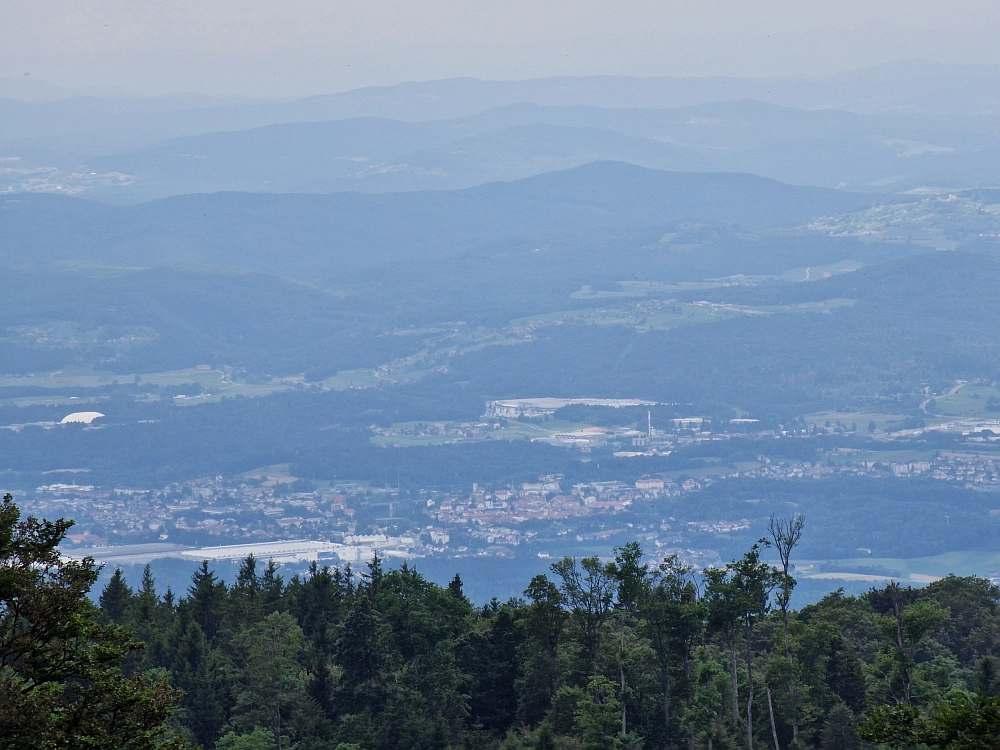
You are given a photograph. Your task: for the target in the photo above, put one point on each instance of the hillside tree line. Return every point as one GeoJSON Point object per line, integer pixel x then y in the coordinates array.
{"type": "Point", "coordinates": [599, 655]}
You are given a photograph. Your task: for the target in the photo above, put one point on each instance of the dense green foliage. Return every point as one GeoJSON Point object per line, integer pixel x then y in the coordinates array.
{"type": "Point", "coordinates": [601, 654]}
{"type": "Point", "coordinates": [61, 680]}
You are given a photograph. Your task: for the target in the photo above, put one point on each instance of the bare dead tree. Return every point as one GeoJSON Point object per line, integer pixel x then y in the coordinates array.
{"type": "Point", "coordinates": [786, 533]}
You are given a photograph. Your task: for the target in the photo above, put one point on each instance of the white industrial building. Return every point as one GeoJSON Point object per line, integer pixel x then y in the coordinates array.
{"type": "Point", "coordinates": [514, 408]}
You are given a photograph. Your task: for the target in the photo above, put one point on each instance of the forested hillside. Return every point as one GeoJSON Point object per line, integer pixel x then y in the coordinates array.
{"type": "Point", "coordinates": [498, 407]}
{"type": "Point", "coordinates": [600, 654]}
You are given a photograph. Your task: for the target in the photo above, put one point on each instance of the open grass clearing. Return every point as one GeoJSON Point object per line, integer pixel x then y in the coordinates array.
{"type": "Point", "coordinates": [230, 391]}
{"type": "Point", "coordinates": [271, 475]}
{"type": "Point", "coordinates": [51, 400]}
{"type": "Point", "coordinates": [815, 273]}
{"type": "Point", "coordinates": [411, 441]}
{"type": "Point", "coordinates": [347, 379]}
{"type": "Point", "coordinates": [631, 289]}
{"type": "Point", "coordinates": [916, 570]}
{"type": "Point", "coordinates": [823, 306]}
{"type": "Point", "coordinates": [849, 418]}
{"type": "Point", "coordinates": [971, 400]}
{"type": "Point", "coordinates": [64, 379]}
{"type": "Point", "coordinates": [204, 376]}
{"type": "Point", "coordinates": [663, 315]}
{"type": "Point", "coordinates": [634, 288]}
{"type": "Point", "coordinates": [406, 434]}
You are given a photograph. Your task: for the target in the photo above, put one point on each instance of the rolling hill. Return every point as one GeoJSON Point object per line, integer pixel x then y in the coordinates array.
{"type": "Point", "coordinates": [301, 235]}
{"type": "Point", "coordinates": [829, 147]}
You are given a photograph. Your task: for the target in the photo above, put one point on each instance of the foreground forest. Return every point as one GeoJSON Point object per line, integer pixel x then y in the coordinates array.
{"type": "Point", "coordinates": [602, 654]}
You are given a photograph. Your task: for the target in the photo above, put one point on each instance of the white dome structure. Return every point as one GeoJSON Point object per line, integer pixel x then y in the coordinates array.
{"type": "Point", "coordinates": [81, 417]}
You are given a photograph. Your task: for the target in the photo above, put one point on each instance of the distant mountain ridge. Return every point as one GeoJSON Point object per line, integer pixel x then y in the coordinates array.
{"type": "Point", "coordinates": [296, 234]}
{"type": "Point", "coordinates": [825, 147]}
{"type": "Point", "coordinates": [90, 125]}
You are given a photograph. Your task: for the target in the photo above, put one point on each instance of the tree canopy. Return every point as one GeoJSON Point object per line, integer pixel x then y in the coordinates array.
{"type": "Point", "coordinates": [602, 653]}
{"type": "Point", "coordinates": [61, 679]}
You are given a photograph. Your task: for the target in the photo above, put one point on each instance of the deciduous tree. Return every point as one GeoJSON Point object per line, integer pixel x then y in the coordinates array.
{"type": "Point", "coordinates": [61, 680]}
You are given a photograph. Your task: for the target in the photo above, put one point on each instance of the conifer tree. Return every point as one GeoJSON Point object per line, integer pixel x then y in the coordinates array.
{"type": "Point", "coordinates": [207, 597]}
{"type": "Point", "coordinates": [199, 671]}
{"type": "Point", "coordinates": [267, 656]}
{"type": "Point", "coordinates": [597, 715]}
{"type": "Point", "coordinates": [115, 598]}
{"type": "Point", "coordinates": [61, 680]}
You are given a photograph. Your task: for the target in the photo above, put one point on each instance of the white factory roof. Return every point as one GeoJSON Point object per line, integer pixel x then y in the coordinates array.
{"type": "Point", "coordinates": [300, 549]}
{"type": "Point", "coordinates": [558, 403]}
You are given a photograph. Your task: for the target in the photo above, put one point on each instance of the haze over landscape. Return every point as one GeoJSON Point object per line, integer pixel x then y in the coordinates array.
{"type": "Point", "coordinates": [499, 291]}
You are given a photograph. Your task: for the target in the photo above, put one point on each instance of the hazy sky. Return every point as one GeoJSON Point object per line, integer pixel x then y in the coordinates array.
{"type": "Point", "coordinates": [294, 47]}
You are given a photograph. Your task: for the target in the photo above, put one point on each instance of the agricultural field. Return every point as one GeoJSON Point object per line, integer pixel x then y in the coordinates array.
{"type": "Point", "coordinates": [648, 288]}
{"type": "Point", "coordinates": [347, 379]}
{"type": "Point", "coordinates": [61, 379]}
{"type": "Point", "coordinates": [663, 315]}
{"type": "Point", "coordinates": [969, 400]}
{"type": "Point", "coordinates": [813, 273]}
{"type": "Point", "coordinates": [204, 375]}
{"type": "Point", "coordinates": [50, 400]}
{"type": "Point", "coordinates": [407, 434]}
{"type": "Point", "coordinates": [916, 569]}
{"type": "Point", "coordinates": [249, 390]}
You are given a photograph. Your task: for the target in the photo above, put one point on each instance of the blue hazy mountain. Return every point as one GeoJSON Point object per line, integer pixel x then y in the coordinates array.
{"type": "Point", "coordinates": [296, 234]}
{"type": "Point", "coordinates": [373, 156]}
{"type": "Point", "coordinates": [68, 130]}
{"type": "Point", "coordinates": [829, 147]}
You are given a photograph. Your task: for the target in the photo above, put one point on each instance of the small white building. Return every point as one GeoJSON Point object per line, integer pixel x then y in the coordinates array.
{"type": "Point", "coordinates": [649, 483]}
